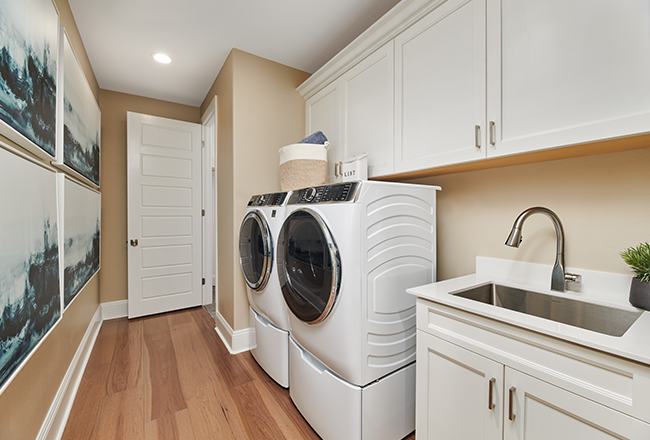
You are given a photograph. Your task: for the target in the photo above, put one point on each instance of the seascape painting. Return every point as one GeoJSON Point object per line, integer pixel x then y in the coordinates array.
{"type": "Point", "coordinates": [29, 31]}
{"type": "Point", "coordinates": [81, 119]}
{"type": "Point", "coordinates": [81, 229]}
{"type": "Point", "coordinates": [30, 297]}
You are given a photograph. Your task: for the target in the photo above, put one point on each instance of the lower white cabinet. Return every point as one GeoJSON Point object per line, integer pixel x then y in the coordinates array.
{"type": "Point", "coordinates": [461, 394]}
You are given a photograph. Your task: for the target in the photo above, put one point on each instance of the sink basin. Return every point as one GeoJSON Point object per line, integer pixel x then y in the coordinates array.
{"type": "Point", "coordinates": [602, 319]}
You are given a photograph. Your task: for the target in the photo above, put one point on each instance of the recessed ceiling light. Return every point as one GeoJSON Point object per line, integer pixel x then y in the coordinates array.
{"type": "Point", "coordinates": [161, 58]}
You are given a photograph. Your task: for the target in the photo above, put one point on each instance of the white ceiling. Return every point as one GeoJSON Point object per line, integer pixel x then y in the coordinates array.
{"type": "Point", "coordinates": [121, 35]}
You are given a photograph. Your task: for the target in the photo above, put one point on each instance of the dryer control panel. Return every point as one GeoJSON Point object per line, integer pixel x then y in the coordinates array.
{"type": "Point", "coordinates": [334, 193]}
{"type": "Point", "coordinates": [274, 199]}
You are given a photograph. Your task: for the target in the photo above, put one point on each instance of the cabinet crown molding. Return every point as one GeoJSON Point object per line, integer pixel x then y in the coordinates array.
{"type": "Point", "coordinates": [394, 22]}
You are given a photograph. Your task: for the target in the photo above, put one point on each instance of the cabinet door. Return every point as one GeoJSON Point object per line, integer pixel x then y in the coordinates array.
{"type": "Point", "coordinates": [440, 88]}
{"type": "Point", "coordinates": [453, 392]}
{"type": "Point", "coordinates": [368, 111]}
{"type": "Point", "coordinates": [323, 112]}
{"type": "Point", "coordinates": [565, 72]}
{"type": "Point", "coordinates": [541, 411]}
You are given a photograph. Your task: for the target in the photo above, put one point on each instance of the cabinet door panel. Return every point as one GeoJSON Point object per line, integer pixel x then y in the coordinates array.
{"type": "Point", "coordinates": [563, 72]}
{"type": "Point", "coordinates": [440, 87]}
{"type": "Point", "coordinates": [368, 111]}
{"type": "Point", "coordinates": [543, 411]}
{"type": "Point", "coordinates": [455, 391]}
{"type": "Point", "coordinates": [323, 113]}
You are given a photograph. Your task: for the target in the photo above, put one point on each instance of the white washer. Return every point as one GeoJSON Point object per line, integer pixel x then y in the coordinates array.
{"type": "Point", "coordinates": [268, 313]}
{"type": "Point", "coordinates": [346, 254]}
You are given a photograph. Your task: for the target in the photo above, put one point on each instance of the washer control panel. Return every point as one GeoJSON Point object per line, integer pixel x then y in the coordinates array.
{"type": "Point", "coordinates": [273, 199]}
{"type": "Point", "coordinates": [334, 193]}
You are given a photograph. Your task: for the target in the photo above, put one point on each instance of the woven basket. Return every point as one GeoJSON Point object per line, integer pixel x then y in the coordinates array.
{"type": "Point", "coordinates": [303, 165]}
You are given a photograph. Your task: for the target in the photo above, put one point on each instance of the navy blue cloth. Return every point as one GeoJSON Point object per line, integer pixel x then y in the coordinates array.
{"type": "Point", "coordinates": [316, 138]}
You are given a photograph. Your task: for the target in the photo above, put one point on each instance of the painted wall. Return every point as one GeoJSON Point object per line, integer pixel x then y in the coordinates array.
{"type": "Point", "coordinates": [114, 105]}
{"type": "Point", "coordinates": [259, 112]}
{"type": "Point", "coordinates": [601, 200]}
{"type": "Point", "coordinates": [26, 401]}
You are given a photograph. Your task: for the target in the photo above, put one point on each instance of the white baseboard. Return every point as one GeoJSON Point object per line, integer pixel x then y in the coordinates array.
{"type": "Point", "coordinates": [55, 421]}
{"type": "Point", "coordinates": [115, 309]}
{"type": "Point", "coordinates": [236, 341]}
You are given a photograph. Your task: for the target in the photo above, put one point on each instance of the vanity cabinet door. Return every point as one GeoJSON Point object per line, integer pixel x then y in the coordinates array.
{"type": "Point", "coordinates": [323, 112]}
{"type": "Point", "coordinates": [459, 394]}
{"type": "Point", "coordinates": [537, 410]}
{"type": "Point", "coordinates": [440, 88]}
{"type": "Point", "coordinates": [566, 72]}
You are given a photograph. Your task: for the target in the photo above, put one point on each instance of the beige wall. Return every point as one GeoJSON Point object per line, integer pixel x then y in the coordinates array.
{"type": "Point", "coordinates": [259, 112]}
{"type": "Point", "coordinates": [114, 105]}
{"type": "Point", "coordinates": [27, 399]}
{"type": "Point", "coordinates": [601, 200]}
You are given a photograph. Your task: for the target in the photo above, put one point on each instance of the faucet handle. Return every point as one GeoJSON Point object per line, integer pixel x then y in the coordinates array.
{"type": "Point", "coordinates": [573, 277]}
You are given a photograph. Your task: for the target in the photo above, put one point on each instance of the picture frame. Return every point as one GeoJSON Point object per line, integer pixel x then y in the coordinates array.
{"type": "Point", "coordinates": [29, 59]}
{"type": "Point", "coordinates": [30, 289]}
{"type": "Point", "coordinates": [81, 238]}
{"type": "Point", "coordinates": [79, 127]}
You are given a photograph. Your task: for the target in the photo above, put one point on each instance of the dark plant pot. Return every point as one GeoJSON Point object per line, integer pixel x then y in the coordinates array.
{"type": "Point", "coordinates": [640, 294]}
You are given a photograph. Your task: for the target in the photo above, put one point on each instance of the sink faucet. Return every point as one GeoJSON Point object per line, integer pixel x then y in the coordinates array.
{"type": "Point", "coordinates": [558, 276]}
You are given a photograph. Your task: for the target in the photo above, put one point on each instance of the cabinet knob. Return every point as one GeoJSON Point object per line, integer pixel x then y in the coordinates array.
{"type": "Point", "coordinates": [134, 242]}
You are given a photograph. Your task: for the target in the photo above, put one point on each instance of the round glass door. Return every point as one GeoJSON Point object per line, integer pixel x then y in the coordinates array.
{"type": "Point", "coordinates": [255, 250]}
{"type": "Point", "coordinates": [309, 266]}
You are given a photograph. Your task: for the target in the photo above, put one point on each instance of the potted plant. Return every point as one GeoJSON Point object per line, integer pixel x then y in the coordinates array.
{"type": "Point", "coordinates": [638, 258]}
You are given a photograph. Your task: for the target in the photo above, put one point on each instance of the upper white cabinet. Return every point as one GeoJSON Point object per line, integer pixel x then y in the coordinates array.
{"type": "Point", "coordinates": [367, 91]}
{"type": "Point", "coordinates": [440, 94]}
{"type": "Point", "coordinates": [477, 79]}
{"type": "Point", "coordinates": [356, 114]}
{"type": "Point", "coordinates": [324, 114]}
{"type": "Point", "coordinates": [564, 72]}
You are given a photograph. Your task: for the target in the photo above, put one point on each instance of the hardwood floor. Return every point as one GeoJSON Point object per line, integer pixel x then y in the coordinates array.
{"type": "Point", "coordinates": [169, 376]}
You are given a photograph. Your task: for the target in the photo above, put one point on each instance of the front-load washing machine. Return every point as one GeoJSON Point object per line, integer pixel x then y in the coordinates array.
{"type": "Point", "coordinates": [268, 314]}
{"type": "Point", "coordinates": [346, 254]}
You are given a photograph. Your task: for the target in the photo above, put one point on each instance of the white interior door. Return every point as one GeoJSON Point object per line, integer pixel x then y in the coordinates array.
{"type": "Point", "coordinates": [164, 214]}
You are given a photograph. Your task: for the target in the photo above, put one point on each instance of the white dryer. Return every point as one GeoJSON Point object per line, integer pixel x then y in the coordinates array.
{"type": "Point", "coordinates": [268, 313]}
{"type": "Point", "coordinates": [346, 254]}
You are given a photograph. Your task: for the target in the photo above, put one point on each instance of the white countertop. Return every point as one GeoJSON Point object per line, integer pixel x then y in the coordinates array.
{"type": "Point", "coordinates": [597, 287]}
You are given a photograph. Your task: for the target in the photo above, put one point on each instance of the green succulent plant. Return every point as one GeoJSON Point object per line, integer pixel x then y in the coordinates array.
{"type": "Point", "coordinates": [638, 258]}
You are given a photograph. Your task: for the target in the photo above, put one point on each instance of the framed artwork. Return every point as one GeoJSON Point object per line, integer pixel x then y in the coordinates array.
{"type": "Point", "coordinates": [80, 130]}
{"type": "Point", "coordinates": [30, 296]}
{"type": "Point", "coordinates": [29, 52]}
{"type": "Point", "coordinates": [81, 233]}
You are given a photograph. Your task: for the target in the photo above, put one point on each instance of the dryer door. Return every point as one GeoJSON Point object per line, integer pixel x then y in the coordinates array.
{"type": "Point", "coordinates": [255, 250]}
{"type": "Point", "coordinates": [309, 266]}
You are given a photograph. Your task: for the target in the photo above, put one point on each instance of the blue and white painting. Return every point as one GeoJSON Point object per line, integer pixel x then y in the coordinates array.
{"type": "Point", "coordinates": [29, 31]}
{"type": "Point", "coordinates": [30, 297]}
{"type": "Point", "coordinates": [81, 229]}
{"type": "Point", "coordinates": [81, 119]}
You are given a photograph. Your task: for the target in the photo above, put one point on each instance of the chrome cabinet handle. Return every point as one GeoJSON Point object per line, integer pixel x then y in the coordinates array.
{"type": "Point", "coordinates": [511, 404]}
{"type": "Point", "coordinates": [477, 136]}
{"type": "Point", "coordinates": [491, 394]}
{"type": "Point", "coordinates": [492, 133]}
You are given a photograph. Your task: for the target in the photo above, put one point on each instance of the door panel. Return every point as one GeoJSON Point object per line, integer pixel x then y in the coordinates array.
{"type": "Point", "coordinates": [164, 214]}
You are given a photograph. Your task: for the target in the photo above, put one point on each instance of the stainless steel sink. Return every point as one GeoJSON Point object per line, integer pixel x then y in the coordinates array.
{"type": "Point", "coordinates": [602, 319]}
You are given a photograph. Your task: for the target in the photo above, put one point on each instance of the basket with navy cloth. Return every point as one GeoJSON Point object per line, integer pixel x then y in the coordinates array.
{"type": "Point", "coordinates": [304, 164]}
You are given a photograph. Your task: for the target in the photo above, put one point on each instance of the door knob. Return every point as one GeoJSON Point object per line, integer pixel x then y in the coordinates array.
{"type": "Point", "coordinates": [134, 242]}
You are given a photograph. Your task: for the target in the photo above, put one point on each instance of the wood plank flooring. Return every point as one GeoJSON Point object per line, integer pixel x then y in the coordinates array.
{"type": "Point", "coordinates": [170, 377]}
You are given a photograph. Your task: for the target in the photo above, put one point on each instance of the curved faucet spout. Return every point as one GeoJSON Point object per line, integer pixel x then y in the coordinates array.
{"type": "Point", "coordinates": [515, 238]}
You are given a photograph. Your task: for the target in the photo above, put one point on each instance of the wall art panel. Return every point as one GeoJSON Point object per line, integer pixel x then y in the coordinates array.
{"type": "Point", "coordinates": [81, 234]}
{"type": "Point", "coordinates": [29, 32]}
{"type": "Point", "coordinates": [30, 297]}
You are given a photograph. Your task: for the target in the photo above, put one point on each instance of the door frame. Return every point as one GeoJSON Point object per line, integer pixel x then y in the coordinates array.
{"type": "Point", "coordinates": [209, 197]}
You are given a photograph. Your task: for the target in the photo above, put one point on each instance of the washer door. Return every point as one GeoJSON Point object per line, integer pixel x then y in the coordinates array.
{"type": "Point", "coordinates": [255, 250]}
{"type": "Point", "coordinates": [309, 266]}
